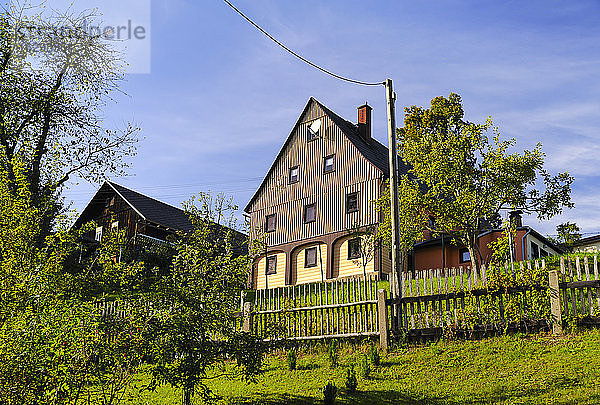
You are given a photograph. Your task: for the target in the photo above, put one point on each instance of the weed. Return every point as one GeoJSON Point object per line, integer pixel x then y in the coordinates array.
{"type": "Point", "coordinates": [292, 357]}
{"type": "Point", "coordinates": [329, 393]}
{"type": "Point", "coordinates": [351, 381]}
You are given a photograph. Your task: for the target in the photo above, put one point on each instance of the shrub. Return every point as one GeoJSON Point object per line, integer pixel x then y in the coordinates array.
{"type": "Point", "coordinates": [291, 359]}
{"type": "Point", "coordinates": [374, 356]}
{"type": "Point", "coordinates": [333, 355]}
{"type": "Point", "coordinates": [329, 393]}
{"type": "Point", "coordinates": [365, 367]}
{"type": "Point", "coordinates": [351, 381]}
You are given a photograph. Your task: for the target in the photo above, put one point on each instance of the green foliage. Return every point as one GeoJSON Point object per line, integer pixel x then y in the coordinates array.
{"type": "Point", "coordinates": [351, 380]}
{"type": "Point", "coordinates": [567, 234]}
{"type": "Point", "coordinates": [374, 355]}
{"type": "Point", "coordinates": [292, 357]}
{"type": "Point", "coordinates": [462, 174]}
{"type": "Point", "coordinates": [55, 85]}
{"type": "Point", "coordinates": [198, 301]}
{"type": "Point", "coordinates": [329, 393]}
{"type": "Point", "coordinates": [365, 366]}
{"type": "Point", "coordinates": [333, 353]}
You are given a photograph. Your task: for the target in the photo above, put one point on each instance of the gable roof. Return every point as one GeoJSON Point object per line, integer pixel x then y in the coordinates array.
{"type": "Point", "coordinates": [148, 208]}
{"type": "Point", "coordinates": [374, 151]}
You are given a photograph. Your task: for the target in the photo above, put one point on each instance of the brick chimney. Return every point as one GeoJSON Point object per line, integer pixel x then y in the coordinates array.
{"type": "Point", "coordinates": [364, 122]}
{"type": "Point", "coordinates": [515, 218]}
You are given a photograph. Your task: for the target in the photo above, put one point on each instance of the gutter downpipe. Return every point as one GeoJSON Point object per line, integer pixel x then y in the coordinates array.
{"type": "Point", "coordinates": [523, 242]}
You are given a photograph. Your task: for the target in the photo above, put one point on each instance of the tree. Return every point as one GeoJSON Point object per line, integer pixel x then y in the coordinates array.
{"type": "Point", "coordinates": [463, 173]}
{"type": "Point", "coordinates": [55, 79]}
{"type": "Point", "coordinates": [567, 234]}
{"type": "Point", "coordinates": [198, 301]}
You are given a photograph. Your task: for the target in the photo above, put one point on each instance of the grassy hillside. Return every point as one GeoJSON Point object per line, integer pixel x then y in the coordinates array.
{"type": "Point", "coordinates": [519, 369]}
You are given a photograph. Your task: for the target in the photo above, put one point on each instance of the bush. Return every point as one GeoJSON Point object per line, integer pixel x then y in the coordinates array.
{"type": "Point", "coordinates": [351, 381]}
{"type": "Point", "coordinates": [332, 351]}
{"type": "Point", "coordinates": [365, 367]}
{"type": "Point", "coordinates": [292, 357]}
{"type": "Point", "coordinates": [374, 356]}
{"type": "Point", "coordinates": [329, 393]}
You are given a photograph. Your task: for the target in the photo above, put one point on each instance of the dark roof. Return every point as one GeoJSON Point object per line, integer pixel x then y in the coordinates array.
{"type": "Point", "coordinates": [585, 241]}
{"type": "Point", "coordinates": [374, 151]}
{"type": "Point", "coordinates": [153, 210]}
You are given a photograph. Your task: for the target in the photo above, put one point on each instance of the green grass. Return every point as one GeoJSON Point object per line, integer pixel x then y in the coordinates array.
{"type": "Point", "coordinates": [519, 369]}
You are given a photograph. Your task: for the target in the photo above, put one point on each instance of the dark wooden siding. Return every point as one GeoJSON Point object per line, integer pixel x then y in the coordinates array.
{"type": "Point", "coordinates": [352, 173]}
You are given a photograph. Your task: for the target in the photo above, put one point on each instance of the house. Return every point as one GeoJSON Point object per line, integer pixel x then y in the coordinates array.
{"type": "Point", "coordinates": [143, 218]}
{"type": "Point", "coordinates": [322, 184]}
{"type": "Point", "coordinates": [590, 244]}
{"type": "Point", "coordinates": [440, 252]}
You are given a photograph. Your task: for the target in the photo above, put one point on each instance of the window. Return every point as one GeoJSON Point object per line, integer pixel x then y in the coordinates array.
{"type": "Point", "coordinates": [351, 202]}
{"type": "Point", "coordinates": [271, 223]}
{"type": "Point", "coordinates": [431, 222]}
{"type": "Point", "coordinates": [354, 248]}
{"type": "Point", "coordinates": [294, 174]}
{"type": "Point", "coordinates": [310, 257]}
{"type": "Point", "coordinates": [309, 213]}
{"type": "Point", "coordinates": [543, 253]}
{"type": "Point", "coordinates": [271, 267]}
{"type": "Point", "coordinates": [329, 164]}
{"type": "Point", "coordinates": [535, 251]}
{"type": "Point", "coordinates": [110, 201]}
{"type": "Point", "coordinates": [464, 255]}
{"type": "Point", "coordinates": [98, 234]}
{"type": "Point", "coordinates": [313, 130]}
{"type": "Point", "coordinates": [114, 226]}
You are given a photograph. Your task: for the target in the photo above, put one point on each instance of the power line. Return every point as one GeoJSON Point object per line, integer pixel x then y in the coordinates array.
{"type": "Point", "coordinates": [299, 56]}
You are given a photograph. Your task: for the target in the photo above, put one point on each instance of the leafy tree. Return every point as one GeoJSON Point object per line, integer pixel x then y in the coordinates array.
{"type": "Point", "coordinates": [463, 174]}
{"type": "Point", "coordinates": [55, 79]}
{"type": "Point", "coordinates": [198, 302]}
{"type": "Point", "coordinates": [567, 234]}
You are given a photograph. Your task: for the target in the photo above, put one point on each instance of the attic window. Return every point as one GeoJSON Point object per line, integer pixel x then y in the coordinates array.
{"type": "Point", "coordinates": [110, 201]}
{"type": "Point", "coordinates": [314, 130]}
{"type": "Point", "coordinates": [329, 164]}
{"type": "Point", "coordinates": [294, 174]}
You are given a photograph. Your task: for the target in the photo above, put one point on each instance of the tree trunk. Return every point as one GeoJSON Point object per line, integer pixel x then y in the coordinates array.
{"type": "Point", "coordinates": [187, 396]}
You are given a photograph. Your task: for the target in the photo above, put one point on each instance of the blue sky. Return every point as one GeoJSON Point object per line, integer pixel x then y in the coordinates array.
{"type": "Point", "coordinates": [221, 98]}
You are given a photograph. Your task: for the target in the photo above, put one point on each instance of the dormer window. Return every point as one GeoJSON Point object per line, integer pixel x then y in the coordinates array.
{"type": "Point", "coordinates": [294, 174]}
{"type": "Point", "coordinates": [314, 130]}
{"type": "Point", "coordinates": [329, 164]}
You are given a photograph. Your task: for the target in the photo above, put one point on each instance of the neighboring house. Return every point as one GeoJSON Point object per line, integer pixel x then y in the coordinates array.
{"type": "Point", "coordinates": [590, 244]}
{"type": "Point", "coordinates": [115, 207]}
{"type": "Point", "coordinates": [322, 183]}
{"type": "Point", "coordinates": [440, 252]}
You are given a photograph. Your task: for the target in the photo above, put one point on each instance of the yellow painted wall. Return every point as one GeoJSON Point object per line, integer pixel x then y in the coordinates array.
{"type": "Point", "coordinates": [272, 280]}
{"type": "Point", "coordinates": [344, 267]}
{"type": "Point", "coordinates": [302, 274]}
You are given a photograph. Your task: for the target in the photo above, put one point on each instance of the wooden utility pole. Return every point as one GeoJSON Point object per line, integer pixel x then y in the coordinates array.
{"type": "Point", "coordinates": [395, 279]}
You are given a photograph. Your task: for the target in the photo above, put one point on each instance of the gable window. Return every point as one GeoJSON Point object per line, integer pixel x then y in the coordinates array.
{"type": "Point", "coordinates": [329, 164]}
{"type": "Point", "coordinates": [309, 213]}
{"type": "Point", "coordinates": [464, 255]}
{"type": "Point", "coordinates": [98, 236]}
{"type": "Point", "coordinates": [294, 174]}
{"type": "Point", "coordinates": [271, 267]}
{"type": "Point", "coordinates": [310, 257]}
{"type": "Point", "coordinates": [314, 130]}
{"type": "Point", "coordinates": [354, 248]}
{"type": "Point", "coordinates": [271, 223]}
{"type": "Point", "coordinates": [351, 202]}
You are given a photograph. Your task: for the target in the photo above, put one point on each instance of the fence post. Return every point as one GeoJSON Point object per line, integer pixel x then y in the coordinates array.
{"type": "Point", "coordinates": [555, 308]}
{"type": "Point", "coordinates": [247, 314]}
{"type": "Point", "coordinates": [383, 319]}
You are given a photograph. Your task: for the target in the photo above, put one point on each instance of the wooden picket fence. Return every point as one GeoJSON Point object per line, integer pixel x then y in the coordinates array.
{"type": "Point", "coordinates": [579, 287]}
{"type": "Point", "coordinates": [337, 308]}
